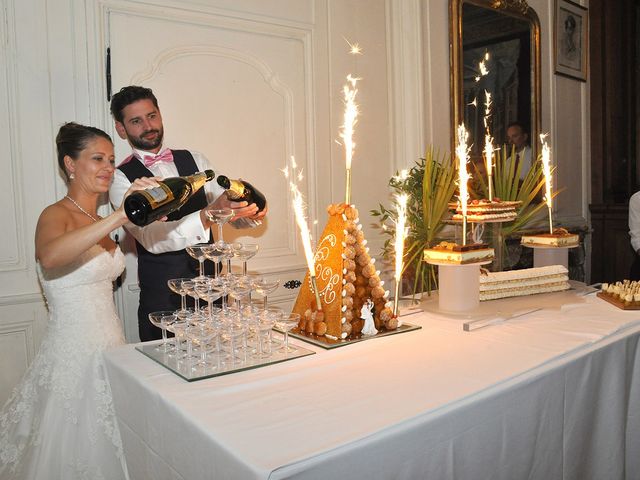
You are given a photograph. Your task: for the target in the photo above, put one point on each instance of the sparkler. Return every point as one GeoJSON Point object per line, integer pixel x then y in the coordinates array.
{"type": "Point", "coordinates": [401, 233]}
{"type": "Point", "coordinates": [546, 168]}
{"type": "Point", "coordinates": [294, 177]}
{"type": "Point", "coordinates": [349, 91]}
{"type": "Point", "coordinates": [462, 153]}
{"type": "Point", "coordinates": [488, 143]}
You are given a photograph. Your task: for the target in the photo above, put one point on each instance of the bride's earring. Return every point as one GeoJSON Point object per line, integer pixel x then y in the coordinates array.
{"type": "Point", "coordinates": [72, 176]}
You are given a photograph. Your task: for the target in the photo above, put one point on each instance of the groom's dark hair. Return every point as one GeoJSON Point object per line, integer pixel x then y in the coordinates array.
{"type": "Point", "coordinates": [128, 95]}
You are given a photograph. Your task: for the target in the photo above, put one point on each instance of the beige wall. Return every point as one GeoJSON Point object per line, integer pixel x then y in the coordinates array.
{"type": "Point", "coordinates": [51, 71]}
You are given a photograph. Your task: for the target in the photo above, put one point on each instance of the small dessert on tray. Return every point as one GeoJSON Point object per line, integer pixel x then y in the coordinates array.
{"type": "Point", "coordinates": [559, 238]}
{"type": "Point", "coordinates": [487, 211]}
{"type": "Point", "coordinates": [624, 294]}
{"type": "Point", "coordinates": [454, 254]}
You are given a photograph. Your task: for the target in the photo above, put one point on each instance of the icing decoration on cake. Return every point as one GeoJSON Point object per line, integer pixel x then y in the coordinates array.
{"type": "Point", "coordinates": [346, 280]}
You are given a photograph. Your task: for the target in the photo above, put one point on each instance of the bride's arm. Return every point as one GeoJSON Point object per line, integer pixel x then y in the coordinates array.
{"type": "Point", "coordinates": [57, 244]}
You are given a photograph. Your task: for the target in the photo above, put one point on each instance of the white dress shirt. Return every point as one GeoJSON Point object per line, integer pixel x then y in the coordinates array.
{"type": "Point", "coordinates": [634, 220]}
{"type": "Point", "coordinates": [160, 237]}
{"type": "Point", "coordinates": [525, 161]}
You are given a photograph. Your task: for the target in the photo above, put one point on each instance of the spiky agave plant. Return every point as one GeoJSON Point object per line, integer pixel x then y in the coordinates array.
{"type": "Point", "coordinates": [430, 185]}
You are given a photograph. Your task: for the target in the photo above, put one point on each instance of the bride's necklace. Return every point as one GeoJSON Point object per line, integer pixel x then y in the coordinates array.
{"type": "Point", "coordinates": [81, 209]}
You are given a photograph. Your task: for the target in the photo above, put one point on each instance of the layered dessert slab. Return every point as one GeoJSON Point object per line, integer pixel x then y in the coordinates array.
{"type": "Point", "coordinates": [529, 281]}
{"type": "Point", "coordinates": [487, 211]}
{"type": "Point", "coordinates": [454, 254]}
{"type": "Point", "coordinates": [560, 238]}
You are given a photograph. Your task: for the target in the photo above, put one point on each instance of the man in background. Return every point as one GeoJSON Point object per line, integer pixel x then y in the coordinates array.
{"type": "Point", "coordinates": [518, 137]}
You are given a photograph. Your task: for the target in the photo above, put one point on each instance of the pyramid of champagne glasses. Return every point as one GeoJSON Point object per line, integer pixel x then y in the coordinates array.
{"type": "Point", "coordinates": [219, 327]}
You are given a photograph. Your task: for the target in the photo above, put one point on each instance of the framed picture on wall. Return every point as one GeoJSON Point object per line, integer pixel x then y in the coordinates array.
{"type": "Point", "coordinates": [571, 39]}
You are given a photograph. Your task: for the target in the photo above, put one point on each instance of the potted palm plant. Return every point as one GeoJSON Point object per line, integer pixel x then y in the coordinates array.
{"type": "Point", "coordinates": [430, 185]}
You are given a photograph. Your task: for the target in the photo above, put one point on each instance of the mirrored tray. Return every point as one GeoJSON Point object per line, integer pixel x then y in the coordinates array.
{"type": "Point", "coordinates": [329, 343]}
{"type": "Point", "coordinates": [190, 374]}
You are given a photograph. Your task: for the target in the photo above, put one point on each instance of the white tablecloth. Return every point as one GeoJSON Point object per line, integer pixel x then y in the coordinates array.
{"type": "Point", "coordinates": [553, 394]}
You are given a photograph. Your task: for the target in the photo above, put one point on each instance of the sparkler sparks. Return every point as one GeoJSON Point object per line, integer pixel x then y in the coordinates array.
{"type": "Point", "coordinates": [350, 119]}
{"type": "Point", "coordinates": [462, 154]}
{"type": "Point", "coordinates": [354, 48]}
{"type": "Point", "coordinates": [401, 233]}
{"type": "Point", "coordinates": [488, 143]}
{"type": "Point", "coordinates": [294, 177]}
{"type": "Point", "coordinates": [546, 169]}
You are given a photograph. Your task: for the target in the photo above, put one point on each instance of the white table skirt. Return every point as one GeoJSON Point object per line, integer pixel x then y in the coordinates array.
{"type": "Point", "coordinates": [552, 395]}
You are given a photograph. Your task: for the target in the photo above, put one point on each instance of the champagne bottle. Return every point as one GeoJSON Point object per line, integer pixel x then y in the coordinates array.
{"type": "Point", "coordinates": [145, 206]}
{"type": "Point", "coordinates": [242, 191]}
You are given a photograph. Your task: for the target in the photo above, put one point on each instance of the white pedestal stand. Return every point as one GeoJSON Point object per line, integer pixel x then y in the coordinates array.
{"type": "Point", "coordinates": [458, 286]}
{"type": "Point", "coordinates": [544, 256]}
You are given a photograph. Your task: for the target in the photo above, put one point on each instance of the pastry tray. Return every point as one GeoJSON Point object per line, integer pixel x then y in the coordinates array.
{"type": "Point", "coordinates": [154, 351]}
{"type": "Point", "coordinates": [616, 302]}
{"type": "Point", "coordinates": [329, 343]}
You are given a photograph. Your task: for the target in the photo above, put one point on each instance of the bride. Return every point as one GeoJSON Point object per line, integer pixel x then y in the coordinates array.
{"type": "Point", "coordinates": [59, 422]}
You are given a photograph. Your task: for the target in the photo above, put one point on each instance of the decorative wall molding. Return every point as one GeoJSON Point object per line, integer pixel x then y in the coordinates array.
{"type": "Point", "coordinates": [21, 299]}
{"type": "Point", "coordinates": [14, 256]}
{"type": "Point", "coordinates": [406, 88]}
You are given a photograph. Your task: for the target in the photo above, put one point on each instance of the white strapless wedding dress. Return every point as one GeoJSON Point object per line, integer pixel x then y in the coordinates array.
{"type": "Point", "coordinates": [59, 423]}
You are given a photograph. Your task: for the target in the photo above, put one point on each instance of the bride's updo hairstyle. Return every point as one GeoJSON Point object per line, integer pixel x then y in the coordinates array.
{"type": "Point", "coordinates": [72, 138]}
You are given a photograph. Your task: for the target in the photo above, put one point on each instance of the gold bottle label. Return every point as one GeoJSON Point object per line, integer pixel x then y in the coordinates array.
{"type": "Point", "coordinates": [235, 190]}
{"type": "Point", "coordinates": [158, 196]}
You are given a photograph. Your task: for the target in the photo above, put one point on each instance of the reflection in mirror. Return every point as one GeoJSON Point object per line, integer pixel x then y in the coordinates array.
{"type": "Point", "coordinates": [495, 52]}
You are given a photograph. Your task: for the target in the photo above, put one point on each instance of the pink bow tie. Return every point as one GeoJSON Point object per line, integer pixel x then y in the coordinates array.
{"type": "Point", "coordinates": [164, 156]}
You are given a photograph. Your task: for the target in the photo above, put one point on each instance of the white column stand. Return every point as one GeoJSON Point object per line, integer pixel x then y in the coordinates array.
{"type": "Point", "coordinates": [458, 287]}
{"type": "Point", "coordinates": [543, 257]}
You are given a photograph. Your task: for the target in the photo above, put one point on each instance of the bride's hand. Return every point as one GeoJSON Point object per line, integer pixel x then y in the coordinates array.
{"type": "Point", "coordinates": [142, 183]}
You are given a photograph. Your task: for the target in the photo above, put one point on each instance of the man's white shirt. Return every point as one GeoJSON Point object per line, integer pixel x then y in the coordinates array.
{"type": "Point", "coordinates": [161, 237]}
{"type": "Point", "coordinates": [634, 220]}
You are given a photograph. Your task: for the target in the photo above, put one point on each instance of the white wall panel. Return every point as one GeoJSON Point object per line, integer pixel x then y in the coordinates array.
{"type": "Point", "coordinates": [247, 82]}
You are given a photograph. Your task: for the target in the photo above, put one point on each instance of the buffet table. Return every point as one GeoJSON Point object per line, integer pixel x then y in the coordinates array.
{"type": "Point", "coordinates": [552, 394]}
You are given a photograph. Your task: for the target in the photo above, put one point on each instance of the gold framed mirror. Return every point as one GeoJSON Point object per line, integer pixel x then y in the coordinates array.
{"type": "Point", "coordinates": [506, 34]}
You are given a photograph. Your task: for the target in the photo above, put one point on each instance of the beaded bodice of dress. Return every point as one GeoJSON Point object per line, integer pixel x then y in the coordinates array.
{"type": "Point", "coordinates": [79, 297]}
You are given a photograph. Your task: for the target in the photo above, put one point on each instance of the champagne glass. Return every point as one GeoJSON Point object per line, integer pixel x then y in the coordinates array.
{"type": "Point", "coordinates": [286, 323]}
{"type": "Point", "coordinates": [264, 286]}
{"type": "Point", "coordinates": [244, 252]}
{"type": "Point", "coordinates": [162, 319]}
{"type": "Point", "coordinates": [239, 288]}
{"type": "Point", "coordinates": [199, 252]}
{"type": "Point", "coordinates": [177, 286]}
{"type": "Point", "coordinates": [190, 289]}
{"type": "Point", "coordinates": [207, 292]}
{"type": "Point", "coordinates": [202, 335]}
{"type": "Point", "coordinates": [221, 284]}
{"type": "Point", "coordinates": [219, 217]}
{"type": "Point", "coordinates": [216, 254]}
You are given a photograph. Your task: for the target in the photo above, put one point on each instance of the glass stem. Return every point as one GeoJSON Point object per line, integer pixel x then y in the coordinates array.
{"type": "Point", "coordinates": [220, 239]}
{"type": "Point", "coordinates": [201, 267]}
{"type": "Point", "coordinates": [183, 302]}
{"type": "Point", "coordinates": [264, 305]}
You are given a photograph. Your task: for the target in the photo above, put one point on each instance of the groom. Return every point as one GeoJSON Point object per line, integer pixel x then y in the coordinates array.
{"type": "Point", "coordinates": [161, 245]}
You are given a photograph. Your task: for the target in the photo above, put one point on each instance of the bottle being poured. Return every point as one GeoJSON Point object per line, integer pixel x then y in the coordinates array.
{"type": "Point", "coordinates": [146, 206]}
{"type": "Point", "coordinates": [242, 191]}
